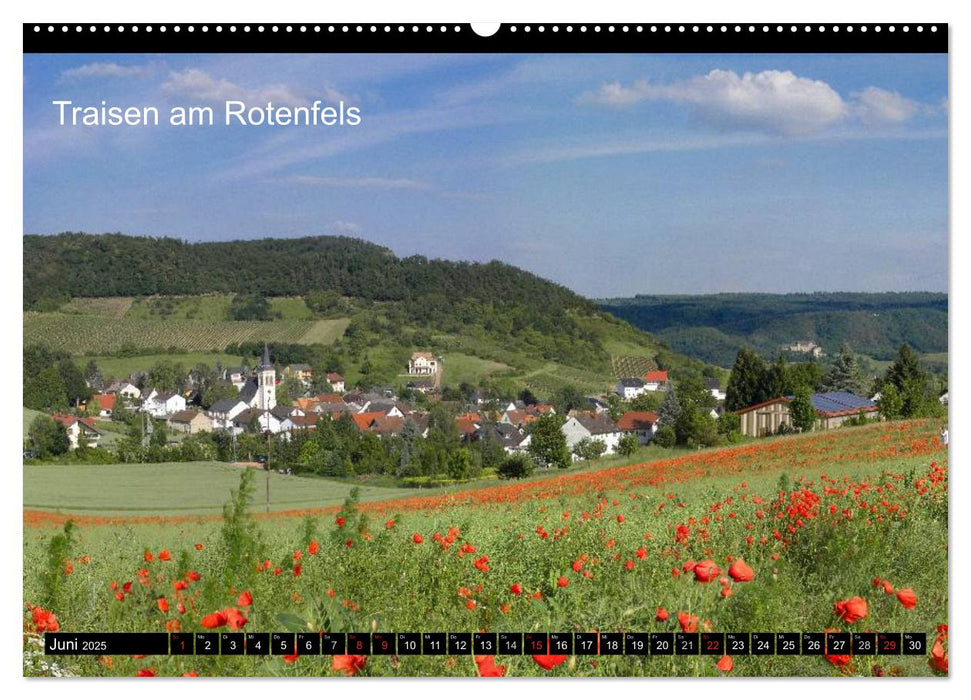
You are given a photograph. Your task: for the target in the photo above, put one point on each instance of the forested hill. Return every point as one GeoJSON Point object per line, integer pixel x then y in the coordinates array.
{"type": "Point", "coordinates": [713, 327]}
{"type": "Point", "coordinates": [112, 265]}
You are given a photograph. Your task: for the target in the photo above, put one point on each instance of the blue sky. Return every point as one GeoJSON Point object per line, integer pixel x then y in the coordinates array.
{"type": "Point", "coordinates": [613, 175]}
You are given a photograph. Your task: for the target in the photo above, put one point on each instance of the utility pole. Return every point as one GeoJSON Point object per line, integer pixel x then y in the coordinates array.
{"type": "Point", "coordinates": [269, 444]}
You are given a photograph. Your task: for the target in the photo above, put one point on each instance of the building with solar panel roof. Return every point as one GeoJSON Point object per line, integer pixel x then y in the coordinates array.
{"type": "Point", "coordinates": [832, 409]}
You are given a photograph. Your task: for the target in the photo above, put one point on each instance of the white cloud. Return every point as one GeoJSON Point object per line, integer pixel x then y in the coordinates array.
{"type": "Point", "coordinates": [197, 84]}
{"type": "Point", "coordinates": [875, 105]}
{"type": "Point", "coordinates": [383, 183]}
{"type": "Point", "coordinates": [772, 101]}
{"type": "Point", "coordinates": [105, 70]}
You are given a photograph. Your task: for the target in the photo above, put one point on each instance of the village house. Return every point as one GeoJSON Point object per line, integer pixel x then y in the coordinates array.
{"type": "Point", "coordinates": [422, 362]}
{"type": "Point", "coordinates": [715, 388]}
{"type": "Point", "coordinates": [592, 426]}
{"type": "Point", "coordinates": [79, 430]}
{"type": "Point", "coordinates": [832, 409]}
{"type": "Point", "coordinates": [224, 411]}
{"type": "Point", "coordinates": [643, 424]}
{"type": "Point", "coordinates": [656, 380]}
{"type": "Point", "coordinates": [511, 438]}
{"type": "Point", "coordinates": [105, 404]}
{"type": "Point", "coordinates": [161, 404]}
{"type": "Point", "coordinates": [303, 373]}
{"type": "Point", "coordinates": [190, 422]}
{"type": "Point", "coordinates": [257, 418]}
{"type": "Point", "coordinates": [126, 389]}
{"type": "Point", "coordinates": [336, 382]}
{"type": "Point", "coordinates": [630, 388]}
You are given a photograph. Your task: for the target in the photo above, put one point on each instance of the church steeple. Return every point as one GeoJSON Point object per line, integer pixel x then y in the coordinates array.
{"type": "Point", "coordinates": [266, 381]}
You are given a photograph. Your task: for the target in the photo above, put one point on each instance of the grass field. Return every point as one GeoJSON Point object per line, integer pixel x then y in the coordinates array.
{"type": "Point", "coordinates": [816, 518]}
{"type": "Point", "coordinates": [459, 367]}
{"type": "Point", "coordinates": [179, 488]}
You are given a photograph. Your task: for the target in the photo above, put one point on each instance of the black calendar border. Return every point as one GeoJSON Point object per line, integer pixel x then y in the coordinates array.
{"type": "Point", "coordinates": [370, 37]}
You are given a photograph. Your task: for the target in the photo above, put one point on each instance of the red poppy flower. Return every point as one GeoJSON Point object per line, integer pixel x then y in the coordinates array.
{"type": "Point", "coordinates": [706, 571]}
{"type": "Point", "coordinates": [126, 587]}
{"type": "Point", "coordinates": [199, 546]}
{"type": "Point", "coordinates": [907, 598]}
{"type": "Point", "coordinates": [340, 521]}
{"type": "Point", "coordinates": [193, 575]}
{"type": "Point", "coordinates": [740, 571]}
{"type": "Point", "coordinates": [181, 608]}
{"type": "Point", "coordinates": [44, 620]}
{"type": "Point", "coordinates": [620, 518]}
{"type": "Point", "coordinates": [234, 618]}
{"type": "Point", "coordinates": [482, 564]}
{"type": "Point", "coordinates": [470, 604]}
{"type": "Point", "coordinates": [173, 625]}
{"type": "Point", "coordinates": [313, 547]}
{"type": "Point", "coordinates": [119, 596]}
{"type": "Point", "coordinates": [850, 610]}
{"type": "Point", "coordinates": [641, 552]}
{"type": "Point", "coordinates": [190, 674]}
{"type": "Point", "coordinates": [938, 656]}
{"type": "Point", "coordinates": [297, 569]}
{"type": "Point", "coordinates": [629, 565]}
{"type": "Point", "coordinates": [145, 673]}
{"type": "Point", "coordinates": [725, 664]}
{"type": "Point", "coordinates": [148, 556]}
{"type": "Point", "coordinates": [290, 658]}
{"type": "Point", "coordinates": [487, 666]}
{"type": "Point", "coordinates": [163, 604]}
{"type": "Point", "coordinates": [562, 582]}
{"type": "Point", "coordinates": [516, 589]}
{"type": "Point", "coordinates": [548, 661]}
{"type": "Point", "coordinates": [216, 619]}
{"type": "Point", "coordinates": [164, 555]}
{"type": "Point", "coordinates": [688, 622]}
{"type": "Point", "coordinates": [245, 599]}
{"type": "Point", "coordinates": [726, 592]}
{"type": "Point", "coordinates": [388, 524]}
{"type": "Point", "coordinates": [349, 543]}
{"type": "Point", "coordinates": [662, 615]}
{"type": "Point", "coordinates": [349, 665]}
{"type": "Point", "coordinates": [417, 538]}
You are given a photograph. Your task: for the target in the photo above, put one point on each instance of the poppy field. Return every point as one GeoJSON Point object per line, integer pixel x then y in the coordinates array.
{"type": "Point", "coordinates": [840, 530]}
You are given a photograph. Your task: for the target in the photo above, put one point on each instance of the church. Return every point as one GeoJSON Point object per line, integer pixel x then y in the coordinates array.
{"type": "Point", "coordinates": [260, 391]}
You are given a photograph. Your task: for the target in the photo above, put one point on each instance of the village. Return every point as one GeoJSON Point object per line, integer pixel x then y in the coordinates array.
{"type": "Point", "coordinates": [599, 428]}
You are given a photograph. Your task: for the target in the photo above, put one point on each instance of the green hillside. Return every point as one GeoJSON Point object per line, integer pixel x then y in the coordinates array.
{"type": "Point", "coordinates": [337, 303]}
{"type": "Point", "coordinates": [713, 327]}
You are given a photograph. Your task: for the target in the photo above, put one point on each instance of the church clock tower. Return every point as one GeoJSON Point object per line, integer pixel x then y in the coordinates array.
{"type": "Point", "coordinates": [266, 376]}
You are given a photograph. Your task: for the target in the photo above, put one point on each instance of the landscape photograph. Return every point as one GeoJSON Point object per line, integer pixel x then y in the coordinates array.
{"type": "Point", "coordinates": [545, 362]}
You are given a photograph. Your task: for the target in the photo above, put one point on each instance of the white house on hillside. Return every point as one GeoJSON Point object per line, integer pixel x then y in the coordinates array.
{"type": "Point", "coordinates": [630, 388]}
{"type": "Point", "coordinates": [160, 404]}
{"type": "Point", "coordinates": [422, 363]}
{"type": "Point", "coordinates": [592, 427]}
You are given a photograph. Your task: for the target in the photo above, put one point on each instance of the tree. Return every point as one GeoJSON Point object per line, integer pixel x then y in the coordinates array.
{"type": "Point", "coordinates": [665, 437]}
{"type": "Point", "coordinates": [569, 398]}
{"type": "Point", "coordinates": [845, 374]}
{"type": "Point", "coordinates": [46, 391]}
{"type": "Point", "coordinates": [92, 375]}
{"type": "Point", "coordinates": [670, 410]}
{"type": "Point", "coordinates": [746, 382]}
{"type": "Point", "coordinates": [913, 385]}
{"type": "Point", "coordinates": [589, 449]}
{"type": "Point", "coordinates": [47, 437]}
{"type": "Point", "coordinates": [805, 374]}
{"type": "Point", "coordinates": [627, 445]}
{"type": "Point", "coordinates": [548, 443]}
{"type": "Point", "coordinates": [516, 466]}
{"type": "Point", "coordinates": [77, 389]}
{"type": "Point", "coordinates": [775, 380]}
{"type": "Point", "coordinates": [801, 410]}
{"type": "Point", "coordinates": [890, 403]}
